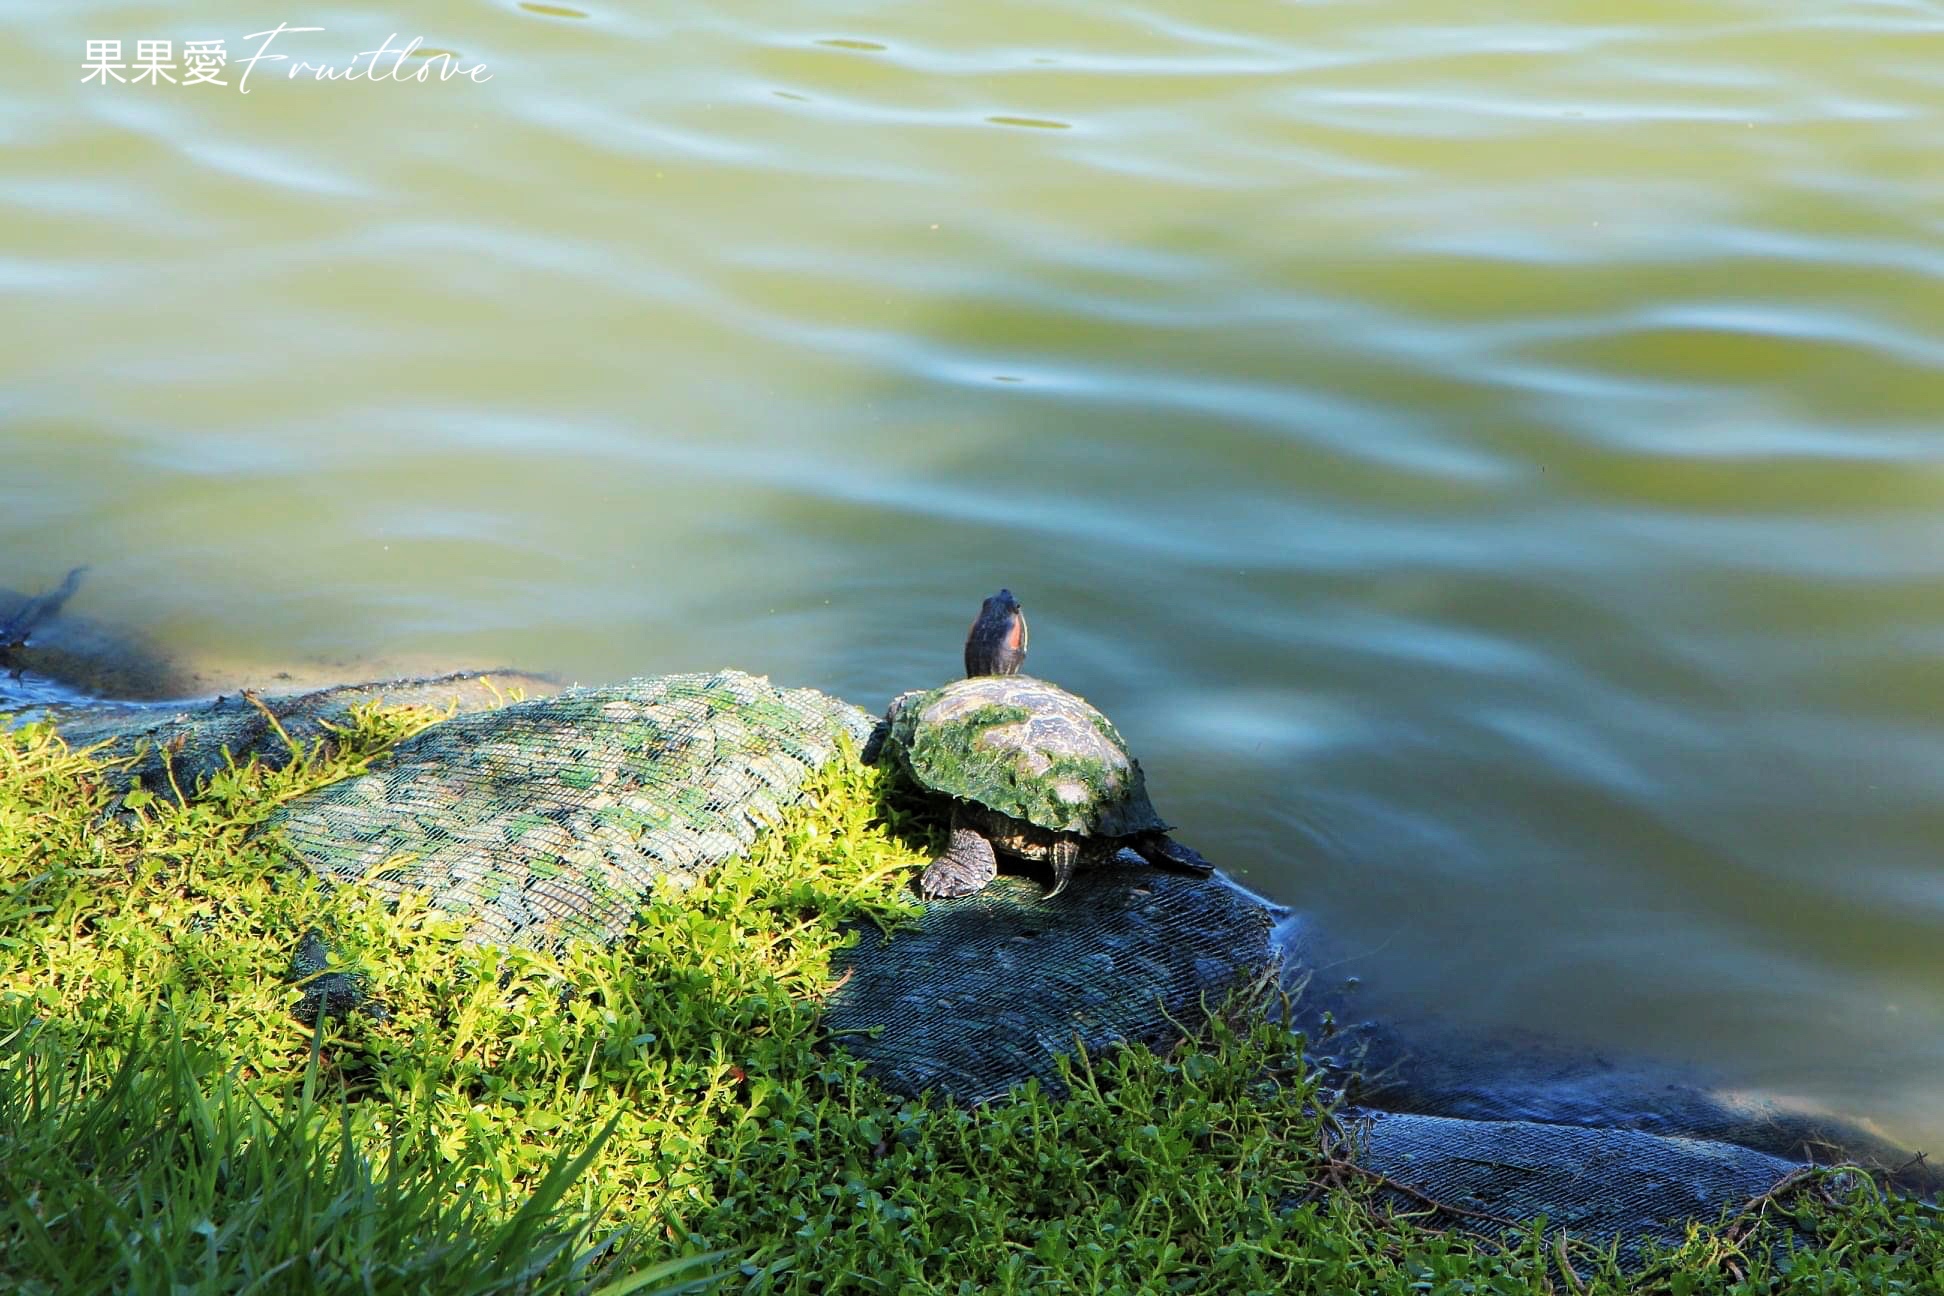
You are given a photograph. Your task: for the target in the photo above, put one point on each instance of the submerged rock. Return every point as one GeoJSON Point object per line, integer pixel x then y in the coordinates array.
{"type": "Point", "coordinates": [49, 655]}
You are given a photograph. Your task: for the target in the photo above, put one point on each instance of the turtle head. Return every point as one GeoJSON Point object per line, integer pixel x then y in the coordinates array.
{"type": "Point", "coordinates": [997, 642]}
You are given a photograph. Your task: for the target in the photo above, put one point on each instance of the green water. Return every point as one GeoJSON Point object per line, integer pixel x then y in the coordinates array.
{"type": "Point", "coordinates": [1488, 460]}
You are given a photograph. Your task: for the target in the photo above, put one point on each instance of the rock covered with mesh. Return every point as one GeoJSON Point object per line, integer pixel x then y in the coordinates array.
{"type": "Point", "coordinates": [1593, 1183]}
{"type": "Point", "coordinates": [551, 819]}
{"type": "Point", "coordinates": [992, 988]}
{"type": "Point", "coordinates": [1027, 749]}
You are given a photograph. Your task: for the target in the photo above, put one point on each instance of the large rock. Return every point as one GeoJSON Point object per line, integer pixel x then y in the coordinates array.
{"type": "Point", "coordinates": [993, 987]}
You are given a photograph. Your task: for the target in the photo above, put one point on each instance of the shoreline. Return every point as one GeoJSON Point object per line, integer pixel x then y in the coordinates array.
{"type": "Point", "coordinates": [731, 1125]}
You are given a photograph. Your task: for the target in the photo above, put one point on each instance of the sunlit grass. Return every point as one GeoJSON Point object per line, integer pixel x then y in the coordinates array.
{"type": "Point", "coordinates": [523, 1122]}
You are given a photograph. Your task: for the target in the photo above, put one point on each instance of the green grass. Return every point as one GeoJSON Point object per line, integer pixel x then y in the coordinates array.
{"type": "Point", "coordinates": [145, 1177]}
{"type": "Point", "coordinates": [526, 1123]}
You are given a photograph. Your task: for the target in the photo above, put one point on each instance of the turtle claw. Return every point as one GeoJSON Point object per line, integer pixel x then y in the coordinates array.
{"type": "Point", "coordinates": [966, 866]}
{"type": "Point", "coordinates": [1066, 857]}
{"type": "Point", "coordinates": [1165, 852]}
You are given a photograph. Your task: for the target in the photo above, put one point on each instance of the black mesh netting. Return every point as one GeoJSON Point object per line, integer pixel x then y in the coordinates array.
{"type": "Point", "coordinates": [1592, 1183]}
{"type": "Point", "coordinates": [994, 986]}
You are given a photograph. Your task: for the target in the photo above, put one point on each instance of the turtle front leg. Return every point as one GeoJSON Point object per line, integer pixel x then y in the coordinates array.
{"type": "Point", "coordinates": [1163, 851]}
{"type": "Point", "coordinates": [1065, 855]}
{"type": "Point", "coordinates": [966, 866]}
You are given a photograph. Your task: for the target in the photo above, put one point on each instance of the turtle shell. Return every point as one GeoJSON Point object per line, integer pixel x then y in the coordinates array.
{"type": "Point", "coordinates": [1025, 748]}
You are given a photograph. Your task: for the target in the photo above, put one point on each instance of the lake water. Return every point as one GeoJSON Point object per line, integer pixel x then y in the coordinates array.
{"type": "Point", "coordinates": [1488, 461]}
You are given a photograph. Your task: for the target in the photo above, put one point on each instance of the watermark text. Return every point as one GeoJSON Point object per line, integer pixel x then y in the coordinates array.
{"type": "Point", "coordinates": [207, 62]}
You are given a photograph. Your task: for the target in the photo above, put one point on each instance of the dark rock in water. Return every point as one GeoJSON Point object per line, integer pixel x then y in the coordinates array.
{"type": "Point", "coordinates": [1514, 1077]}
{"type": "Point", "coordinates": [993, 987]}
{"type": "Point", "coordinates": [1592, 1183]}
{"type": "Point", "coordinates": [24, 620]}
{"type": "Point", "coordinates": [48, 655]}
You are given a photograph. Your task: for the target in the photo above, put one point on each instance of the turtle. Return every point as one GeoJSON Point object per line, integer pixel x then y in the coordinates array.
{"type": "Point", "coordinates": [1032, 770]}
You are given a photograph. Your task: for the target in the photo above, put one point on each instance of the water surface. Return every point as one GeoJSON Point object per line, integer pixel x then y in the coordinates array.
{"type": "Point", "coordinates": [1488, 463]}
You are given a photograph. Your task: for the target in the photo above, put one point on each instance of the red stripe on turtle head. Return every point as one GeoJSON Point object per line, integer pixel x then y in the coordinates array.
{"type": "Point", "coordinates": [996, 644]}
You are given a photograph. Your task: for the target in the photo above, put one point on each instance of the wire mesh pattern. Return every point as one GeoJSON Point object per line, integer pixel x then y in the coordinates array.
{"type": "Point", "coordinates": [549, 820]}
{"type": "Point", "coordinates": [1593, 1183]}
{"type": "Point", "coordinates": [993, 987]}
